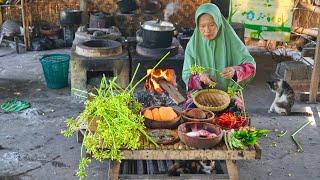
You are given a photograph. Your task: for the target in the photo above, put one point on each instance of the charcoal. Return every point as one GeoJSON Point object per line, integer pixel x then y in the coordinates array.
{"type": "Point", "coordinates": [150, 99]}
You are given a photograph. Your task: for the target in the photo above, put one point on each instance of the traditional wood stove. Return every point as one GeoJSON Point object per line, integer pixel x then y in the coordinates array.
{"type": "Point", "coordinates": [98, 55]}
{"type": "Point", "coordinates": [149, 57]}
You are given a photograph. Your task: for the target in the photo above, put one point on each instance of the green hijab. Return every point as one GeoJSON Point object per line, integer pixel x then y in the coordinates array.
{"type": "Point", "coordinates": [223, 51]}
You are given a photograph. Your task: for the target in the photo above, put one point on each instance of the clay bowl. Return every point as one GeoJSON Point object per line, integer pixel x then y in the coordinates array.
{"type": "Point", "coordinates": [200, 142]}
{"type": "Point", "coordinates": [157, 124]}
{"type": "Point", "coordinates": [210, 116]}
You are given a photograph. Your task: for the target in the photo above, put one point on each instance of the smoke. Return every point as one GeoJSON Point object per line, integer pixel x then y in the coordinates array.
{"type": "Point", "coordinates": [170, 9]}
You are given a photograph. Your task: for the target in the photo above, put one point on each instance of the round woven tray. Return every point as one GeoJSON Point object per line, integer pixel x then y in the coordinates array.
{"type": "Point", "coordinates": [211, 99]}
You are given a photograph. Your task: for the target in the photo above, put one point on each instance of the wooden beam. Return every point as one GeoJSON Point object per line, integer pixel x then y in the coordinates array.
{"type": "Point", "coordinates": [310, 7]}
{"type": "Point", "coordinates": [315, 74]}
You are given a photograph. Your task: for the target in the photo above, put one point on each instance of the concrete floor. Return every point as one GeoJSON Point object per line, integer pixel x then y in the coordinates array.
{"type": "Point", "coordinates": [31, 146]}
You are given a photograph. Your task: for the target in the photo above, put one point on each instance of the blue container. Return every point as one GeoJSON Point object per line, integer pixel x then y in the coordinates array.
{"type": "Point", "coordinates": [56, 69]}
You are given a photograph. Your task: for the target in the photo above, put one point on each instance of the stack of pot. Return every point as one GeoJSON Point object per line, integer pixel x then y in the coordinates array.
{"type": "Point", "coordinates": [70, 20]}
{"type": "Point", "coordinates": [156, 34]}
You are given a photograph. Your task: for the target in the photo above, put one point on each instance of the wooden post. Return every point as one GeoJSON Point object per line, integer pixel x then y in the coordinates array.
{"type": "Point", "coordinates": [315, 74]}
{"type": "Point", "coordinates": [232, 170]}
{"type": "Point", "coordinates": [114, 170]}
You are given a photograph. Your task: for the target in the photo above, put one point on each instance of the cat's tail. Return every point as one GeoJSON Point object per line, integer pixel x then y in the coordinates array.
{"type": "Point", "coordinates": [300, 114]}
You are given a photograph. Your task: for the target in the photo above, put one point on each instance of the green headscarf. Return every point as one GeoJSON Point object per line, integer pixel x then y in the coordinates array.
{"type": "Point", "coordinates": [223, 51]}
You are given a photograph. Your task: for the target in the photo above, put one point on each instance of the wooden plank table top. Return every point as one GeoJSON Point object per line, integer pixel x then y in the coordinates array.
{"type": "Point", "coordinates": [180, 151]}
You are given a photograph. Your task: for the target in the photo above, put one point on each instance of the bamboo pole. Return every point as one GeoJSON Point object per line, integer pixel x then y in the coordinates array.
{"type": "Point", "coordinates": [315, 74]}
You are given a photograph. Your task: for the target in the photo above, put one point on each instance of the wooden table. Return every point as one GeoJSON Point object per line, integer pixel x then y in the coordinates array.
{"type": "Point", "coordinates": [180, 151]}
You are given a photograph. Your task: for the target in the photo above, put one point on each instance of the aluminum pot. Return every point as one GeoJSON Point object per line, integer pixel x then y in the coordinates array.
{"type": "Point", "coordinates": [157, 34]}
{"type": "Point", "coordinates": [70, 17]}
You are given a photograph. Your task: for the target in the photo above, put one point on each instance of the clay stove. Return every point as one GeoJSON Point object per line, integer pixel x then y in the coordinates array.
{"type": "Point", "coordinates": [98, 55]}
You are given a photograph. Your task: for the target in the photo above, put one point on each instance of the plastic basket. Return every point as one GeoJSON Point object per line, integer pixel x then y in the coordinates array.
{"type": "Point", "coordinates": [56, 69]}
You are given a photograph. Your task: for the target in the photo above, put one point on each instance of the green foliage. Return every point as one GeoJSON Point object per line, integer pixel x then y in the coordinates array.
{"type": "Point", "coordinates": [196, 69]}
{"type": "Point", "coordinates": [243, 137]}
{"type": "Point", "coordinates": [83, 163]}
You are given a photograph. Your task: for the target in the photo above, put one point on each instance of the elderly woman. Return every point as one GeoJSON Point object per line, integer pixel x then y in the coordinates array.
{"type": "Point", "coordinates": [215, 46]}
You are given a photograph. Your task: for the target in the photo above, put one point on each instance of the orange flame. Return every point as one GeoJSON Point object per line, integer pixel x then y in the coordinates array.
{"type": "Point", "coordinates": [152, 83]}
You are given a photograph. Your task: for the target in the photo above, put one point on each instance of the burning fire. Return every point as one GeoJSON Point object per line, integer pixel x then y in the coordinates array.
{"type": "Point", "coordinates": [152, 82]}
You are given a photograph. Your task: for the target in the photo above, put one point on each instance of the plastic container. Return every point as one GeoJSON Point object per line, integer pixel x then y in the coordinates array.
{"type": "Point", "coordinates": [56, 69]}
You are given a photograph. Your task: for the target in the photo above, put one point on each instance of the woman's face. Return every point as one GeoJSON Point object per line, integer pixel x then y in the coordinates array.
{"type": "Point", "coordinates": [207, 27]}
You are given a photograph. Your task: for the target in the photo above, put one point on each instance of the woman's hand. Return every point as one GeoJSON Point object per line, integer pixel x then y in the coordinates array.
{"type": "Point", "coordinates": [206, 79]}
{"type": "Point", "coordinates": [228, 72]}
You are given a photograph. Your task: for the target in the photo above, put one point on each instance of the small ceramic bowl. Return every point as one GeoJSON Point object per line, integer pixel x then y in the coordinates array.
{"type": "Point", "coordinates": [198, 141]}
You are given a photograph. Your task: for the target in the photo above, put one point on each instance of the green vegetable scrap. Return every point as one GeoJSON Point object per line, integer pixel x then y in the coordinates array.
{"type": "Point", "coordinates": [14, 105]}
{"type": "Point", "coordinates": [299, 148]}
{"type": "Point", "coordinates": [112, 120]}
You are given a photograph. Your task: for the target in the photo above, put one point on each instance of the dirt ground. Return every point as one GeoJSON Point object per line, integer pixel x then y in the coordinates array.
{"type": "Point", "coordinates": [31, 146]}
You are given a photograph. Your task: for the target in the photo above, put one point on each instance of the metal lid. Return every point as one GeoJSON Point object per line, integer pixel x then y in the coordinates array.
{"type": "Point", "coordinates": [157, 25]}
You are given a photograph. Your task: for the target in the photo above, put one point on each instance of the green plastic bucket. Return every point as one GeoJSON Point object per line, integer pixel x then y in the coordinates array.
{"type": "Point", "coordinates": [56, 69]}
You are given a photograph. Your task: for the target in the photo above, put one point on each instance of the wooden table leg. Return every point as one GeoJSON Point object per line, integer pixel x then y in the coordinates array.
{"type": "Point", "coordinates": [232, 170]}
{"type": "Point", "coordinates": [114, 170]}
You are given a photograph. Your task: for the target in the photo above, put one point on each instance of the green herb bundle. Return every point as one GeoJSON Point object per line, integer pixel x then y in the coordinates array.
{"type": "Point", "coordinates": [114, 114]}
{"type": "Point", "coordinates": [243, 137]}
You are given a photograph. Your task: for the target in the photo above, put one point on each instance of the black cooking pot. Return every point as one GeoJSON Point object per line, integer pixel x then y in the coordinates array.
{"type": "Point", "coordinates": [70, 17]}
{"type": "Point", "coordinates": [100, 20]}
{"type": "Point", "coordinates": [157, 34]}
{"type": "Point", "coordinates": [126, 6]}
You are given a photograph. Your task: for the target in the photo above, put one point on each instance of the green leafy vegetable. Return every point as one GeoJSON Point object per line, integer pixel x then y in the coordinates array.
{"type": "Point", "coordinates": [241, 138]}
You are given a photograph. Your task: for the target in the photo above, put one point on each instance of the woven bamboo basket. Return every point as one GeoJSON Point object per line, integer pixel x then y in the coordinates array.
{"type": "Point", "coordinates": [211, 99]}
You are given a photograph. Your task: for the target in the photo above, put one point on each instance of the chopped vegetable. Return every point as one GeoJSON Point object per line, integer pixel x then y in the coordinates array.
{"type": "Point", "coordinates": [201, 133]}
{"type": "Point", "coordinates": [156, 114]}
{"type": "Point", "coordinates": [148, 114]}
{"type": "Point", "coordinates": [167, 113]}
{"type": "Point", "coordinates": [230, 121]}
